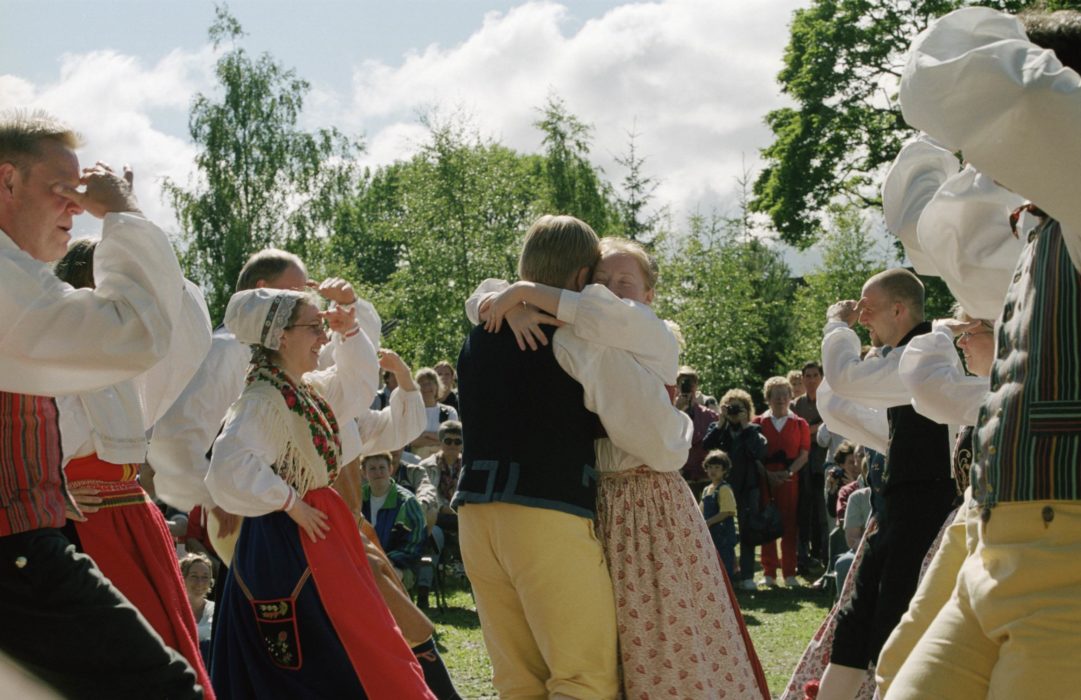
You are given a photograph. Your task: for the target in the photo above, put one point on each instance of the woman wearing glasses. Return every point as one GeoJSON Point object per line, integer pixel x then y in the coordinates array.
{"type": "Point", "coordinates": [300, 614]}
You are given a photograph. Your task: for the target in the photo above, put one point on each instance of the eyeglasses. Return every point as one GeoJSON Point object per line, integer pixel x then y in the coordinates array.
{"type": "Point", "coordinates": [452, 441]}
{"type": "Point", "coordinates": [968, 334]}
{"type": "Point", "coordinates": [319, 326]}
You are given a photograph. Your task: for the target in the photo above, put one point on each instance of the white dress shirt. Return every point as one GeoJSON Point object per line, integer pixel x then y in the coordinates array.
{"type": "Point", "coordinates": [57, 340]}
{"type": "Point", "coordinates": [113, 421]}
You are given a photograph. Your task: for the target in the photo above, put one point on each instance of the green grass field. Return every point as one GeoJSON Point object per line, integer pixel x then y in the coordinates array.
{"type": "Point", "coordinates": [780, 622]}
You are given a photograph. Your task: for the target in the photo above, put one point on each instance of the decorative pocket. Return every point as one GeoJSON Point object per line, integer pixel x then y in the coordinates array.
{"type": "Point", "coordinates": [276, 619]}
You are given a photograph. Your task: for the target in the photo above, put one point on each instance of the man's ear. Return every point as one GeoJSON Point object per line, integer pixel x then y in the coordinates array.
{"type": "Point", "coordinates": [581, 279]}
{"type": "Point", "coordinates": [8, 174]}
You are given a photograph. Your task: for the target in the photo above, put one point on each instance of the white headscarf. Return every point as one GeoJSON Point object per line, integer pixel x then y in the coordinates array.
{"type": "Point", "coordinates": [260, 316]}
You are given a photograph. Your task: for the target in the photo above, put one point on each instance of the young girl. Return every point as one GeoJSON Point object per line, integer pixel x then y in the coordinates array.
{"type": "Point", "coordinates": [680, 629]}
{"type": "Point", "coordinates": [719, 509]}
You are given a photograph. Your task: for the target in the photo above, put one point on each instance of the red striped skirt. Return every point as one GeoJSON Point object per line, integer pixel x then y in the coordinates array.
{"type": "Point", "coordinates": [129, 541]}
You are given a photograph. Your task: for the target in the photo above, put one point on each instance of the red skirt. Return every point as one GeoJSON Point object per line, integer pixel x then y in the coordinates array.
{"type": "Point", "coordinates": [129, 541]}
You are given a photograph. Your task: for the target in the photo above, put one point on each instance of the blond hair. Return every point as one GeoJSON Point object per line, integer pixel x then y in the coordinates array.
{"type": "Point", "coordinates": [614, 245]}
{"type": "Point", "coordinates": [557, 247]}
{"type": "Point", "coordinates": [775, 383]}
{"type": "Point", "coordinates": [22, 132]}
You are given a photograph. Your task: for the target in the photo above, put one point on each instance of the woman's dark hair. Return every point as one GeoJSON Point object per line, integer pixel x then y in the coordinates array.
{"type": "Point", "coordinates": [77, 266]}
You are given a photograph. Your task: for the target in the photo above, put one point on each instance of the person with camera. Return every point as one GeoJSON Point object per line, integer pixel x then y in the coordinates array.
{"type": "Point", "coordinates": [788, 442]}
{"type": "Point", "coordinates": [702, 417]}
{"type": "Point", "coordinates": [742, 441]}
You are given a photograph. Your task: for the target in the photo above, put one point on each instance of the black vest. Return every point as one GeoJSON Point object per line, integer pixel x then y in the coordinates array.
{"type": "Point", "coordinates": [919, 448]}
{"type": "Point", "coordinates": [528, 436]}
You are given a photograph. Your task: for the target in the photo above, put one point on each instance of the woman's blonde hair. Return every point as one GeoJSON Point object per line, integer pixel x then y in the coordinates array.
{"type": "Point", "coordinates": [775, 383]}
{"type": "Point", "coordinates": [738, 395]}
{"type": "Point", "coordinates": [614, 245]}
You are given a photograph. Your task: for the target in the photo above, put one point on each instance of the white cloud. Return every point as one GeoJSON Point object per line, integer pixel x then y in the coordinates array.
{"type": "Point", "coordinates": [116, 103]}
{"type": "Point", "coordinates": [696, 77]}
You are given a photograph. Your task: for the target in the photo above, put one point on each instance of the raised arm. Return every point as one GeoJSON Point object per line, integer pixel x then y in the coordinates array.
{"type": "Point", "coordinates": [872, 382]}
{"type": "Point", "coordinates": [971, 77]}
{"type": "Point", "coordinates": [932, 372]}
{"type": "Point", "coordinates": [60, 340]}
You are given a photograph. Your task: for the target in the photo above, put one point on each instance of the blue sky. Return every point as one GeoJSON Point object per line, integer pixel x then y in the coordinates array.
{"type": "Point", "coordinates": [694, 77]}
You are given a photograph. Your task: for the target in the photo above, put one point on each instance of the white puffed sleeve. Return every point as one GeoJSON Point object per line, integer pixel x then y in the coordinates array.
{"type": "Point", "coordinates": [941, 391]}
{"type": "Point", "coordinates": [856, 422]}
{"type": "Point", "coordinates": [871, 382]}
{"type": "Point", "coordinates": [916, 174]}
{"type": "Point", "coordinates": [349, 385]}
{"type": "Point", "coordinates": [241, 478]}
{"type": "Point", "coordinates": [485, 289]}
{"type": "Point", "coordinates": [976, 83]}
{"type": "Point", "coordinates": [632, 403]}
{"type": "Point", "coordinates": [396, 425]}
{"type": "Point", "coordinates": [58, 340]}
{"type": "Point", "coordinates": [599, 316]}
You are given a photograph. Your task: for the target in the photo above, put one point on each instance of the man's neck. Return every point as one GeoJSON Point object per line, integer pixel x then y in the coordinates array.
{"type": "Point", "coordinates": [377, 494]}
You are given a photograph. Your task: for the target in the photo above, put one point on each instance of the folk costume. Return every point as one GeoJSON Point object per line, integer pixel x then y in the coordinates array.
{"type": "Point", "coordinates": [969, 77]}
{"type": "Point", "coordinates": [103, 436]}
{"type": "Point", "coordinates": [297, 618]}
{"type": "Point", "coordinates": [55, 604]}
{"type": "Point", "coordinates": [679, 626]}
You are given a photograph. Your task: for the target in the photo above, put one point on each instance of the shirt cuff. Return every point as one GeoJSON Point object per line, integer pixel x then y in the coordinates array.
{"type": "Point", "coordinates": [568, 306]}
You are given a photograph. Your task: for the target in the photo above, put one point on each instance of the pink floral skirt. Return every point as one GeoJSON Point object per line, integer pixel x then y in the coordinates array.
{"type": "Point", "coordinates": [681, 634]}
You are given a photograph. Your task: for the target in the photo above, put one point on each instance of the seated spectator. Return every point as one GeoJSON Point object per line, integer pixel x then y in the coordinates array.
{"type": "Point", "coordinates": [398, 519]}
{"type": "Point", "coordinates": [719, 509]}
{"type": "Point", "coordinates": [413, 476]}
{"type": "Point", "coordinates": [853, 513]}
{"type": "Point", "coordinates": [443, 468]}
{"type": "Point", "coordinates": [449, 380]}
{"type": "Point", "coordinates": [430, 389]}
{"type": "Point", "coordinates": [198, 575]}
{"type": "Point", "coordinates": [842, 478]}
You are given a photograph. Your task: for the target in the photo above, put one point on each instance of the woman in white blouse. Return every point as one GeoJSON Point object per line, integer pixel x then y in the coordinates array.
{"type": "Point", "coordinates": [300, 614]}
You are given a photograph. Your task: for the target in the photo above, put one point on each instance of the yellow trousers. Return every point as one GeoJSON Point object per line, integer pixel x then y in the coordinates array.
{"type": "Point", "coordinates": [545, 600]}
{"type": "Point", "coordinates": [1012, 625]}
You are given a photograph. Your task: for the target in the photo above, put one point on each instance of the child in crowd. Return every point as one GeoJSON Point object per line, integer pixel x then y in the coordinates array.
{"type": "Point", "coordinates": [672, 596]}
{"type": "Point", "coordinates": [719, 509]}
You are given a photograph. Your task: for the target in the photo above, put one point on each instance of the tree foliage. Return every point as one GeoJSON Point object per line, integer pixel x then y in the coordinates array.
{"type": "Point", "coordinates": [849, 257]}
{"type": "Point", "coordinates": [841, 68]}
{"type": "Point", "coordinates": [261, 181]}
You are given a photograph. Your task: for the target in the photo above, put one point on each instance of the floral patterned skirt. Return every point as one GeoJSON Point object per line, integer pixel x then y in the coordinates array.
{"type": "Point", "coordinates": [816, 656]}
{"type": "Point", "coordinates": [680, 630]}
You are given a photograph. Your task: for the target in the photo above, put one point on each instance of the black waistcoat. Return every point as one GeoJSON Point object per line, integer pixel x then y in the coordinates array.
{"type": "Point", "coordinates": [528, 436]}
{"type": "Point", "coordinates": [919, 448]}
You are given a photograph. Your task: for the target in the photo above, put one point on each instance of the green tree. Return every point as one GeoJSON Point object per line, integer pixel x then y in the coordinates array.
{"type": "Point", "coordinates": [573, 185]}
{"type": "Point", "coordinates": [841, 68]}
{"type": "Point", "coordinates": [261, 181]}
{"type": "Point", "coordinates": [849, 256]}
{"type": "Point", "coordinates": [456, 213]}
{"type": "Point", "coordinates": [636, 220]}
{"type": "Point", "coordinates": [708, 289]}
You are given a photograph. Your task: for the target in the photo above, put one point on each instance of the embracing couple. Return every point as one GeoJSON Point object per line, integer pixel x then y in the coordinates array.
{"type": "Point", "coordinates": [593, 570]}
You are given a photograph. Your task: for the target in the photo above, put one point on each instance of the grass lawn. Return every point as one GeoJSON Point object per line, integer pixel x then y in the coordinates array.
{"type": "Point", "coordinates": [780, 621]}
